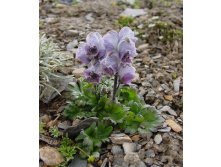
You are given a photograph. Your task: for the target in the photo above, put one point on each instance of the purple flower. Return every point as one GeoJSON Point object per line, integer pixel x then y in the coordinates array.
{"type": "Point", "coordinates": [126, 32]}
{"type": "Point", "coordinates": [110, 64]}
{"type": "Point", "coordinates": [126, 73]}
{"type": "Point", "coordinates": [92, 74]}
{"type": "Point", "coordinates": [92, 49]}
{"type": "Point", "coordinates": [123, 43]}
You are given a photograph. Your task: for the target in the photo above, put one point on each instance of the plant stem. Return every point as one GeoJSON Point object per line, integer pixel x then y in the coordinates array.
{"type": "Point", "coordinates": [115, 87]}
{"type": "Point", "coordinates": [82, 151]}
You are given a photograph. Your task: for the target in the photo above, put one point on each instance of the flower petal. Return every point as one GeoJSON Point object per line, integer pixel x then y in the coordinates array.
{"type": "Point", "coordinates": [126, 32]}
{"type": "Point", "coordinates": [92, 74]}
{"type": "Point", "coordinates": [126, 73]}
{"type": "Point", "coordinates": [127, 48]}
{"type": "Point", "coordinates": [111, 41]}
{"type": "Point", "coordinates": [81, 54]}
{"type": "Point", "coordinates": [110, 64]}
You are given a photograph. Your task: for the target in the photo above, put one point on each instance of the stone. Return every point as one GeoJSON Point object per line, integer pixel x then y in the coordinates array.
{"type": "Point", "coordinates": [167, 129]}
{"type": "Point", "coordinates": [150, 153]}
{"type": "Point", "coordinates": [78, 72]}
{"type": "Point", "coordinates": [135, 137]}
{"type": "Point", "coordinates": [169, 110]}
{"type": "Point", "coordinates": [176, 84]}
{"type": "Point", "coordinates": [116, 149]}
{"type": "Point", "coordinates": [45, 119]}
{"type": "Point", "coordinates": [142, 47]}
{"type": "Point", "coordinates": [141, 164]}
{"type": "Point", "coordinates": [120, 138]}
{"type": "Point", "coordinates": [129, 147]}
{"type": "Point", "coordinates": [141, 153]}
{"type": "Point", "coordinates": [158, 139]}
{"type": "Point", "coordinates": [71, 33]}
{"type": "Point", "coordinates": [50, 156]}
{"type": "Point", "coordinates": [89, 17]}
{"type": "Point", "coordinates": [176, 127]}
{"type": "Point", "coordinates": [71, 45]}
{"type": "Point", "coordinates": [76, 162]}
{"type": "Point", "coordinates": [129, 12]}
{"type": "Point", "coordinates": [168, 97]}
{"type": "Point", "coordinates": [136, 78]}
{"type": "Point", "coordinates": [118, 160]}
{"type": "Point", "coordinates": [132, 158]}
{"type": "Point", "coordinates": [149, 161]}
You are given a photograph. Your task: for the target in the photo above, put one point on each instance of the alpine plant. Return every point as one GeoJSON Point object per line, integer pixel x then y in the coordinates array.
{"type": "Point", "coordinates": [110, 55]}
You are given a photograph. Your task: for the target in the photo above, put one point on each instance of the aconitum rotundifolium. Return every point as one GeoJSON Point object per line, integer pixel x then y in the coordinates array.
{"type": "Point", "coordinates": [93, 73]}
{"type": "Point", "coordinates": [120, 50]}
{"type": "Point", "coordinates": [92, 49]}
{"type": "Point", "coordinates": [126, 73]}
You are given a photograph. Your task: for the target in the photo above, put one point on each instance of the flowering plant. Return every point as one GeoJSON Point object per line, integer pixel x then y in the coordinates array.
{"type": "Point", "coordinates": [106, 57]}
{"type": "Point", "coordinates": [110, 55]}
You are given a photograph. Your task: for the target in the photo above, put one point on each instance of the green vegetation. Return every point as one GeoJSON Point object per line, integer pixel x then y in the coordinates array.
{"type": "Point", "coordinates": [125, 21]}
{"type": "Point", "coordinates": [54, 132]}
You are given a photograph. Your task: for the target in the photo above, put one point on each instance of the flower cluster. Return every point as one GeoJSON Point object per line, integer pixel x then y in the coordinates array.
{"type": "Point", "coordinates": [110, 55]}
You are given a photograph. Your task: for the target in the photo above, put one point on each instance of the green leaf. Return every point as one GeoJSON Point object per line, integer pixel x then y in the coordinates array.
{"type": "Point", "coordinates": [127, 94]}
{"type": "Point", "coordinates": [91, 138]}
{"type": "Point", "coordinates": [113, 112]}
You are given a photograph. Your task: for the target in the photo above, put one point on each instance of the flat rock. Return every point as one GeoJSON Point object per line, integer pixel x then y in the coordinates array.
{"type": "Point", "coordinates": [158, 139]}
{"type": "Point", "coordinates": [129, 147]}
{"type": "Point", "coordinates": [142, 47]}
{"type": "Point", "coordinates": [50, 156]}
{"type": "Point", "coordinates": [135, 137]}
{"type": "Point", "coordinates": [132, 158]}
{"type": "Point", "coordinates": [169, 110]}
{"type": "Point", "coordinates": [176, 85]}
{"type": "Point", "coordinates": [129, 12]}
{"type": "Point", "coordinates": [150, 153]}
{"type": "Point", "coordinates": [77, 162]}
{"type": "Point", "coordinates": [73, 131]}
{"type": "Point", "coordinates": [116, 150]}
{"type": "Point", "coordinates": [78, 72]}
{"type": "Point", "coordinates": [176, 127]}
{"type": "Point", "coordinates": [120, 138]}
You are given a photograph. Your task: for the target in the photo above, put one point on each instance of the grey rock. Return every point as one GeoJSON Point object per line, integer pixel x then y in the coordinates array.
{"type": "Point", "coordinates": [167, 129]}
{"type": "Point", "coordinates": [132, 158]}
{"type": "Point", "coordinates": [73, 131]}
{"type": "Point", "coordinates": [118, 160]}
{"type": "Point", "coordinates": [89, 17]}
{"type": "Point", "coordinates": [129, 147]}
{"type": "Point", "coordinates": [141, 154]}
{"type": "Point", "coordinates": [116, 150]}
{"type": "Point", "coordinates": [150, 153]}
{"type": "Point", "coordinates": [176, 84]}
{"type": "Point", "coordinates": [149, 161]}
{"type": "Point", "coordinates": [71, 45]}
{"type": "Point", "coordinates": [71, 33]}
{"type": "Point", "coordinates": [76, 162]}
{"type": "Point", "coordinates": [129, 12]}
{"type": "Point", "coordinates": [169, 110]}
{"type": "Point", "coordinates": [141, 164]}
{"type": "Point", "coordinates": [158, 139]}
{"type": "Point", "coordinates": [155, 165]}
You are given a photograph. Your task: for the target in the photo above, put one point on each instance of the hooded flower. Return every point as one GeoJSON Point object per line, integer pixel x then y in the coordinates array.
{"type": "Point", "coordinates": [110, 64]}
{"type": "Point", "coordinates": [126, 73]}
{"type": "Point", "coordinates": [92, 74]}
{"type": "Point", "coordinates": [92, 49]}
{"type": "Point", "coordinates": [123, 43]}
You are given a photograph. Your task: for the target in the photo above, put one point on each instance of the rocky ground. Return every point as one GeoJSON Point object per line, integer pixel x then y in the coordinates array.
{"type": "Point", "coordinates": [159, 66]}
